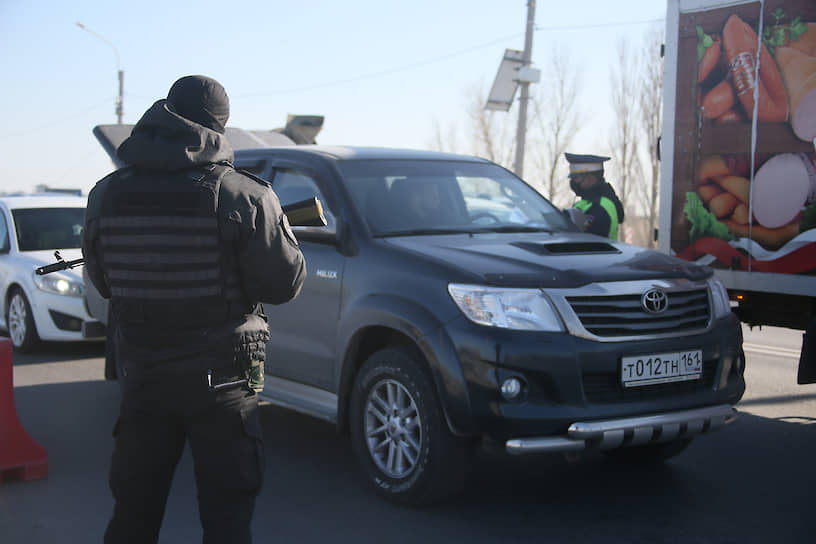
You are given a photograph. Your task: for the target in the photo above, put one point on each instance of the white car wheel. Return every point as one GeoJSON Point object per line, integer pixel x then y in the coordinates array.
{"type": "Point", "coordinates": [20, 322]}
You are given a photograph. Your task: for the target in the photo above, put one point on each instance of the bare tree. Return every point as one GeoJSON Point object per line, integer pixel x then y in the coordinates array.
{"type": "Point", "coordinates": [556, 120]}
{"type": "Point", "coordinates": [624, 135]}
{"type": "Point", "coordinates": [493, 136]}
{"type": "Point", "coordinates": [444, 138]}
{"type": "Point", "coordinates": [651, 109]}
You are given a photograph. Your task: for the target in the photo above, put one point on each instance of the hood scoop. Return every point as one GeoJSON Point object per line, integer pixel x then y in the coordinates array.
{"type": "Point", "coordinates": [568, 248]}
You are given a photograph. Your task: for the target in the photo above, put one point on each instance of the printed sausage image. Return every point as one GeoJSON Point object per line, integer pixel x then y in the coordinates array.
{"type": "Point", "coordinates": [740, 43]}
{"type": "Point", "coordinates": [718, 100]}
{"type": "Point", "coordinates": [782, 187]}
{"type": "Point", "coordinates": [799, 74]}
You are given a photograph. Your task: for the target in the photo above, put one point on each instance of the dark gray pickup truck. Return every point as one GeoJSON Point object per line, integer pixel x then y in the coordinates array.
{"type": "Point", "coordinates": [449, 306]}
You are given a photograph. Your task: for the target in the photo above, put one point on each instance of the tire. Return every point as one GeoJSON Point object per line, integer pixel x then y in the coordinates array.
{"type": "Point", "coordinates": [405, 449]}
{"type": "Point", "coordinates": [650, 453]}
{"type": "Point", "coordinates": [20, 322]}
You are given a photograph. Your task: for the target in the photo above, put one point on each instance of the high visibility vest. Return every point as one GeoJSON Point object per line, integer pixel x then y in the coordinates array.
{"type": "Point", "coordinates": [610, 209]}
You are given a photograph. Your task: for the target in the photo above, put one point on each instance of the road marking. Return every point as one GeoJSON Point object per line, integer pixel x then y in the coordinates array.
{"type": "Point", "coordinates": [769, 350]}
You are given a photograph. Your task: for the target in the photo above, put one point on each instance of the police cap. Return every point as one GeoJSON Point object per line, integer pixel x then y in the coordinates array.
{"type": "Point", "coordinates": [584, 164]}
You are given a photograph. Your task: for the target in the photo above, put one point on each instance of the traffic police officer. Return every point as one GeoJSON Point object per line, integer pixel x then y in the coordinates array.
{"type": "Point", "coordinates": [599, 203]}
{"type": "Point", "coordinates": [186, 249]}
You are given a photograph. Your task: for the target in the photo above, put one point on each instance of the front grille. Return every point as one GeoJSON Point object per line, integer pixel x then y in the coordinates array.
{"type": "Point", "coordinates": [623, 315]}
{"type": "Point", "coordinates": [607, 388]}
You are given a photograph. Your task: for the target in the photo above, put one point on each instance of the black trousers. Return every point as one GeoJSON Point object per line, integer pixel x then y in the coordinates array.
{"type": "Point", "coordinates": [159, 413]}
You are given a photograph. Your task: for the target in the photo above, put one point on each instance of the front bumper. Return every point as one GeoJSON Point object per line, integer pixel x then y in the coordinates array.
{"type": "Point", "coordinates": [633, 431]}
{"type": "Point", "coordinates": [61, 318]}
{"type": "Point", "coordinates": [570, 381]}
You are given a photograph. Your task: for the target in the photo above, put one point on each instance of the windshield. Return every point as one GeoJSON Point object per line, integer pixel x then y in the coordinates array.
{"type": "Point", "coordinates": [441, 196]}
{"type": "Point", "coordinates": [48, 228]}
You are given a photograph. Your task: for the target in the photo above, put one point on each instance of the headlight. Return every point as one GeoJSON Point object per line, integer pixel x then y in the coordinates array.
{"type": "Point", "coordinates": [719, 297]}
{"type": "Point", "coordinates": [519, 309]}
{"type": "Point", "coordinates": [59, 285]}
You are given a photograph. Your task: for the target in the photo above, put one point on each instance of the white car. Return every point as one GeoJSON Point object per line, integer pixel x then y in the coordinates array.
{"type": "Point", "coordinates": [43, 307]}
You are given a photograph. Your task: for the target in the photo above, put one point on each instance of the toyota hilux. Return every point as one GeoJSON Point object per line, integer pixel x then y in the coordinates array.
{"type": "Point", "coordinates": [450, 306]}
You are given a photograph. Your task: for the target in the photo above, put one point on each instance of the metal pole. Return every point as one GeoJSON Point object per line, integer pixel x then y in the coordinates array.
{"type": "Point", "coordinates": [121, 74]}
{"type": "Point", "coordinates": [120, 99]}
{"type": "Point", "coordinates": [525, 90]}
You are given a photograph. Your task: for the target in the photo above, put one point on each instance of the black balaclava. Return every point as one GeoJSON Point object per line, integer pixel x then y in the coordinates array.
{"type": "Point", "coordinates": [584, 193]}
{"type": "Point", "coordinates": [202, 100]}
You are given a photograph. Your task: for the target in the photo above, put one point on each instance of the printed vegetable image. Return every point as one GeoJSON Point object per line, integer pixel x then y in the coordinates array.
{"type": "Point", "coordinates": [708, 54]}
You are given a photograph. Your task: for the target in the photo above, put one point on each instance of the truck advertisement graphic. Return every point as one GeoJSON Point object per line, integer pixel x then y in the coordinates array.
{"type": "Point", "coordinates": [739, 151]}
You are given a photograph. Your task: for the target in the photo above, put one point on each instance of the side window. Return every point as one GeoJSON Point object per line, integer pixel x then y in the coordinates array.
{"type": "Point", "coordinates": [4, 235]}
{"type": "Point", "coordinates": [292, 186]}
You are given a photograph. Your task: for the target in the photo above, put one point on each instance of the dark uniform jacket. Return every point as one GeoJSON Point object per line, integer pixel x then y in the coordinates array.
{"type": "Point", "coordinates": [187, 248]}
{"type": "Point", "coordinates": [605, 210]}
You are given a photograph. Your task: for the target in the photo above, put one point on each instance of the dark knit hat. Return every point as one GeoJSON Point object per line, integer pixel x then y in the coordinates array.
{"type": "Point", "coordinates": [202, 100]}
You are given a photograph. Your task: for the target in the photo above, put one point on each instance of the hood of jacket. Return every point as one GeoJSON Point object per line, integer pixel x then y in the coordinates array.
{"type": "Point", "coordinates": [164, 140]}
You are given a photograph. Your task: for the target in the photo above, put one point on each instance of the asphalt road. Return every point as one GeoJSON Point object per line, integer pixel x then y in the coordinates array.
{"type": "Point", "coordinates": [751, 482]}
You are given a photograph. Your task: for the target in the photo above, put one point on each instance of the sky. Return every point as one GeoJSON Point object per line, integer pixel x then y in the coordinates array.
{"type": "Point", "coordinates": [381, 73]}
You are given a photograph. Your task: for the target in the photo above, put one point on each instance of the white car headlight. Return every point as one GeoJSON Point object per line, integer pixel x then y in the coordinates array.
{"type": "Point", "coordinates": [59, 285]}
{"type": "Point", "coordinates": [507, 308]}
{"type": "Point", "coordinates": [719, 298]}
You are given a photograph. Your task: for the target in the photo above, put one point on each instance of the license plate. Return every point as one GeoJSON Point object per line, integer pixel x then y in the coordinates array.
{"type": "Point", "coordinates": [679, 366]}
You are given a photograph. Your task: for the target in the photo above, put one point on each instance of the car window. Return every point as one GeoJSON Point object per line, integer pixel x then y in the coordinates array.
{"type": "Point", "coordinates": [4, 238]}
{"type": "Point", "coordinates": [48, 228]}
{"type": "Point", "coordinates": [399, 197]}
{"type": "Point", "coordinates": [292, 186]}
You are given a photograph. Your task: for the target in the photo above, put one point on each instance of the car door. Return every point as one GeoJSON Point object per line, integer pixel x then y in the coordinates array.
{"type": "Point", "coordinates": [303, 331]}
{"type": "Point", "coordinates": [5, 248]}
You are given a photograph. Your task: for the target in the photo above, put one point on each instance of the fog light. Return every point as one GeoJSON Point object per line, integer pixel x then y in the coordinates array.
{"type": "Point", "coordinates": [511, 388]}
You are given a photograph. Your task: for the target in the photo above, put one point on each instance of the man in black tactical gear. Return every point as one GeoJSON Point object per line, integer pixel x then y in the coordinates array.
{"type": "Point", "coordinates": [186, 249]}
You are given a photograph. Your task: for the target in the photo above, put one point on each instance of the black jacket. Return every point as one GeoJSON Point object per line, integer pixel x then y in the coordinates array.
{"type": "Point", "coordinates": [601, 221]}
{"type": "Point", "coordinates": [251, 224]}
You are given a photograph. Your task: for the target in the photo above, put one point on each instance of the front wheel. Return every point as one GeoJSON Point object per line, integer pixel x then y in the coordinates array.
{"type": "Point", "coordinates": [399, 433]}
{"type": "Point", "coordinates": [20, 322]}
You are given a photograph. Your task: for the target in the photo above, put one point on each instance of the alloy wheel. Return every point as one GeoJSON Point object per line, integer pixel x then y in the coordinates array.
{"type": "Point", "coordinates": [392, 428]}
{"type": "Point", "coordinates": [17, 317]}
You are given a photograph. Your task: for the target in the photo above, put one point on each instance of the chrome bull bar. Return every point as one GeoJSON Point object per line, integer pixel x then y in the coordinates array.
{"type": "Point", "coordinates": [632, 431]}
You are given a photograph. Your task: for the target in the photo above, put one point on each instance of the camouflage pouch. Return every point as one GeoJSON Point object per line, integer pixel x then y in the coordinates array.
{"type": "Point", "coordinates": [255, 375]}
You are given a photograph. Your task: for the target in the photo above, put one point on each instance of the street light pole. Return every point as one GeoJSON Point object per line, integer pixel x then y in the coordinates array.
{"type": "Point", "coordinates": [521, 131]}
{"type": "Point", "coordinates": [121, 74]}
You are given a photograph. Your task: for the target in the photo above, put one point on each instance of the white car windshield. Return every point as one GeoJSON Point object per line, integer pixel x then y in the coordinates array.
{"type": "Point", "coordinates": [399, 197]}
{"type": "Point", "coordinates": [48, 228]}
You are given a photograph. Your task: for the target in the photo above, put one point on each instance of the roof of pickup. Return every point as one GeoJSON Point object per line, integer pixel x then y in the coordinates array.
{"type": "Point", "coordinates": [364, 153]}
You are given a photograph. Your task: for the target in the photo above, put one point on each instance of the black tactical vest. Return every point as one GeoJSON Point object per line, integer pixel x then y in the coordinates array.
{"type": "Point", "coordinates": [171, 279]}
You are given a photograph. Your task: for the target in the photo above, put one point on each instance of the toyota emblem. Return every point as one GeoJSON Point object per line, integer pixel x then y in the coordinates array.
{"type": "Point", "coordinates": [654, 301]}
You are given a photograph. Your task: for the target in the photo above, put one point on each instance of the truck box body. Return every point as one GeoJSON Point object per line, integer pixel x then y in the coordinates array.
{"type": "Point", "coordinates": [753, 225]}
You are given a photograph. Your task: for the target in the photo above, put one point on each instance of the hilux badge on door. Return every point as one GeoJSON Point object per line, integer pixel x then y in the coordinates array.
{"type": "Point", "coordinates": [654, 301]}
